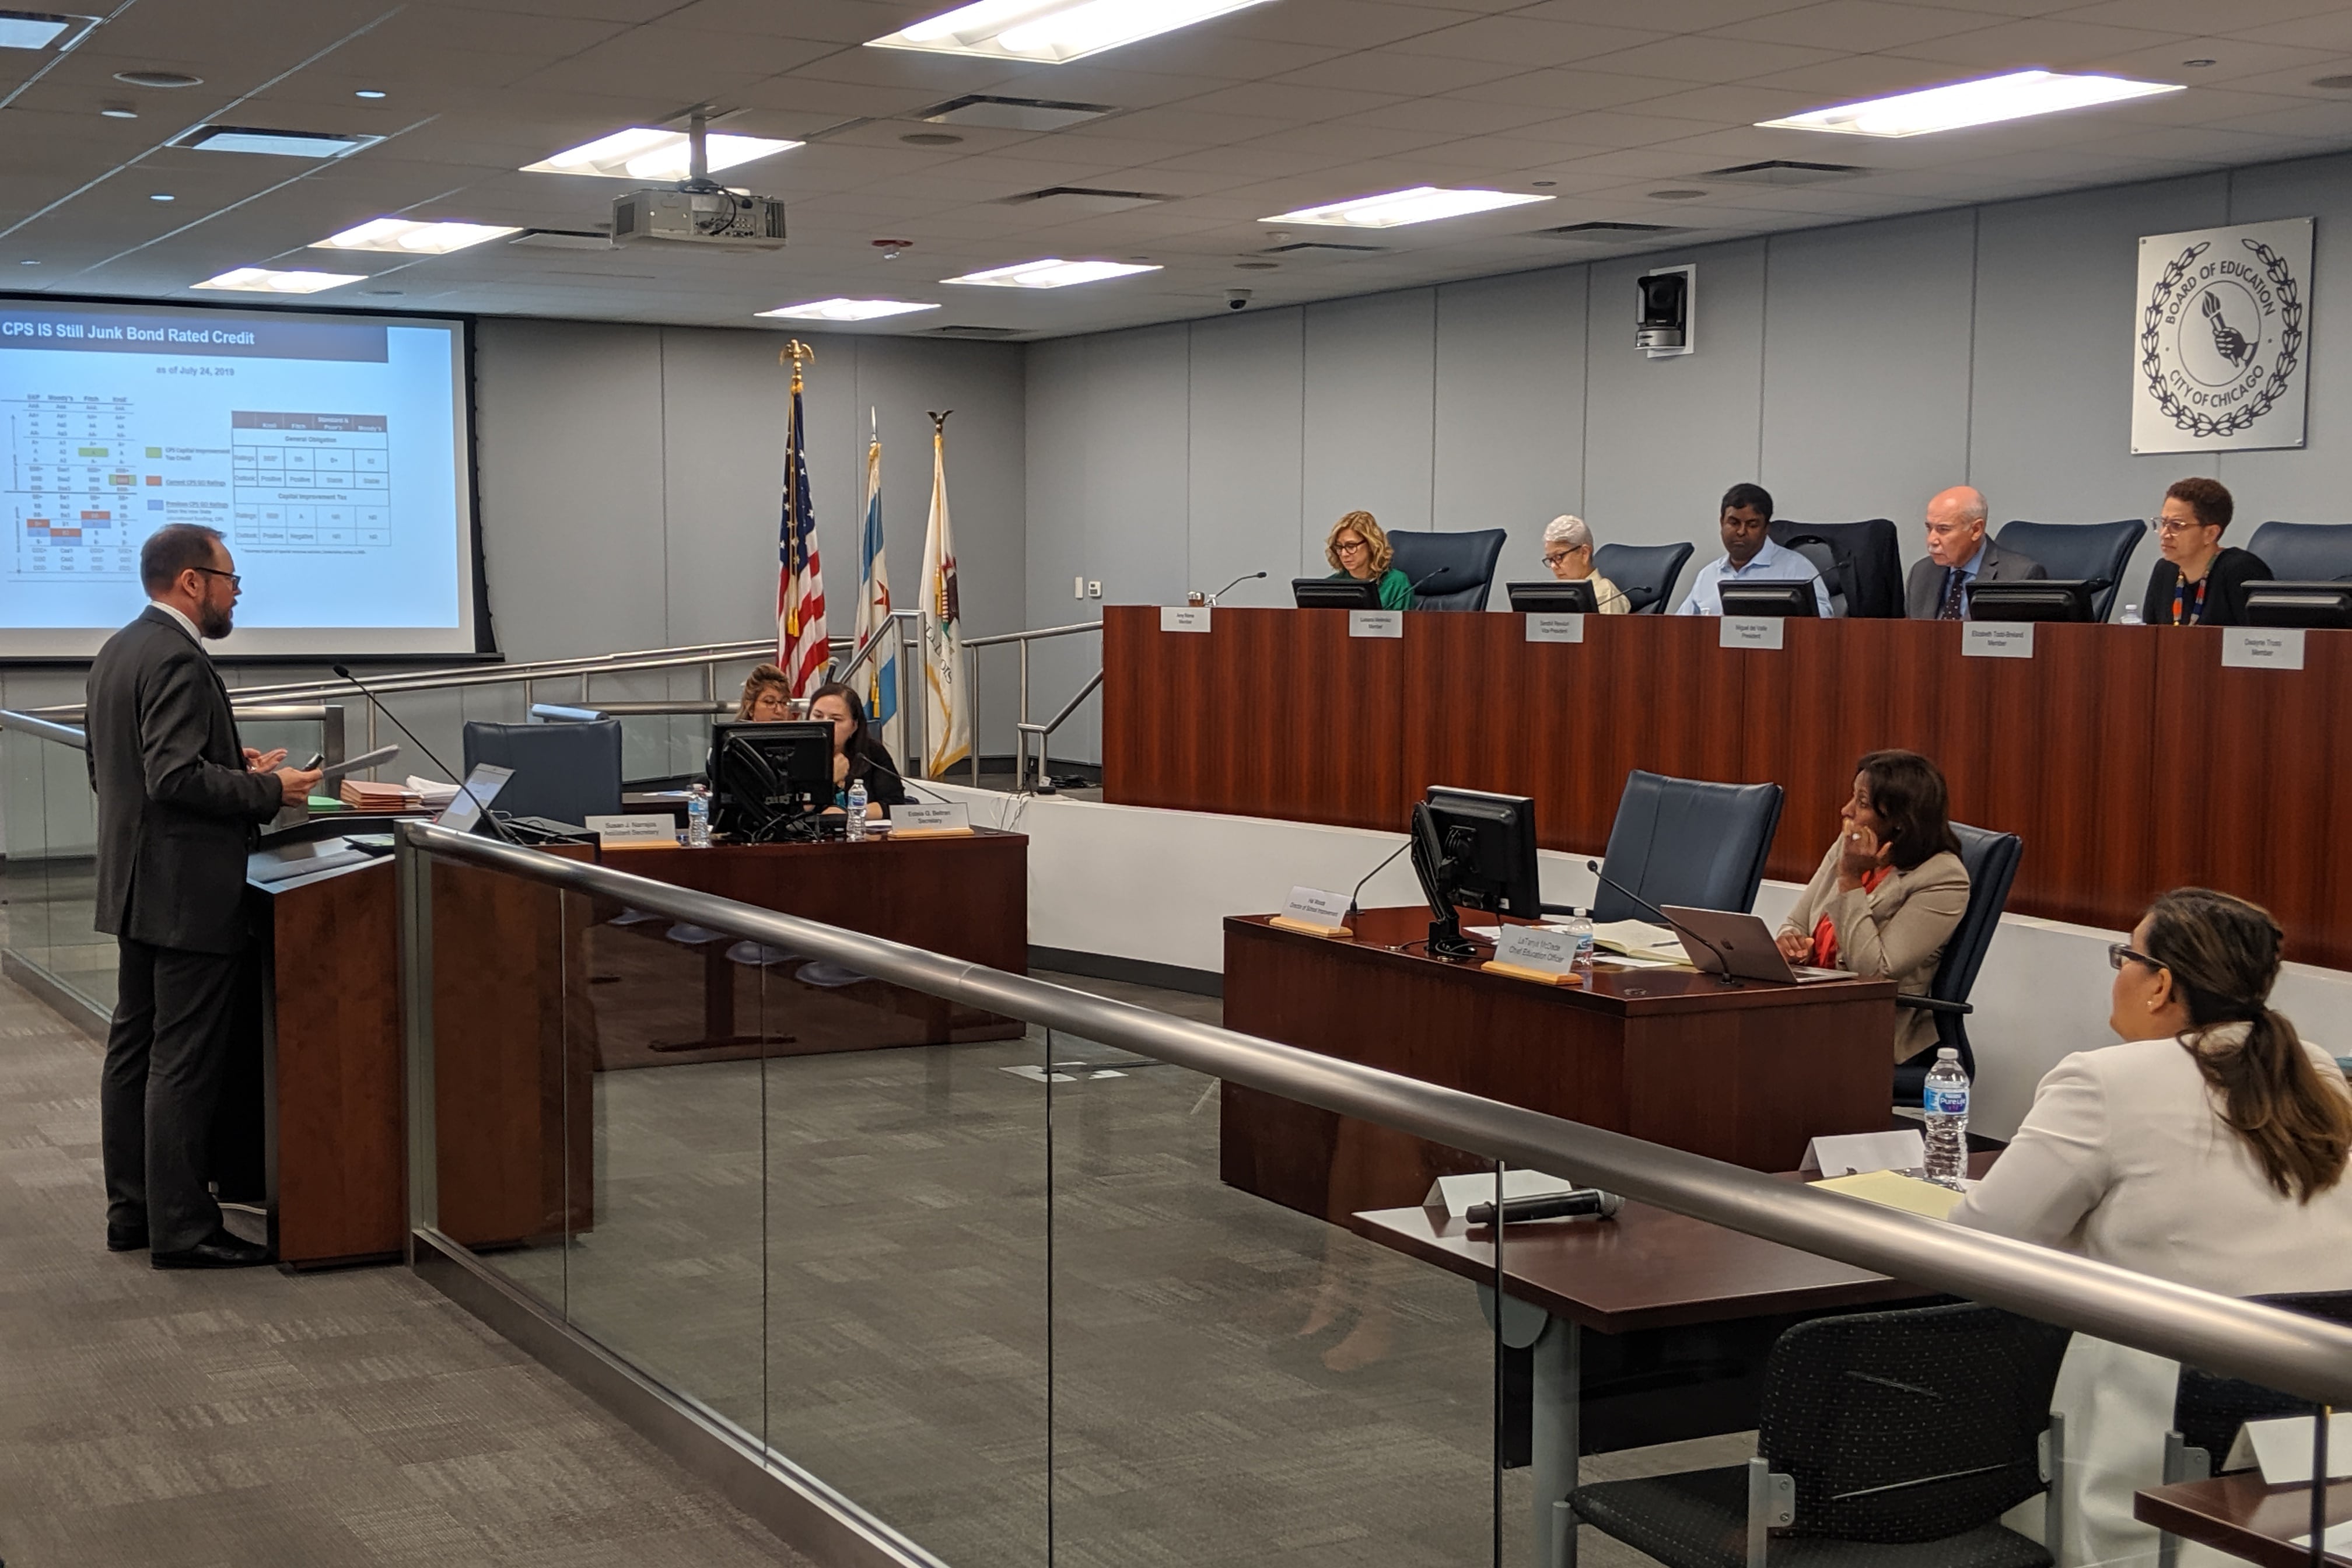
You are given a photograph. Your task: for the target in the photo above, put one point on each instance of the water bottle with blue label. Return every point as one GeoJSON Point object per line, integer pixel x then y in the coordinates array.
{"type": "Point", "coordinates": [1579, 927]}
{"type": "Point", "coordinates": [856, 807]}
{"type": "Point", "coordinates": [1947, 1105]}
{"type": "Point", "coordinates": [698, 816]}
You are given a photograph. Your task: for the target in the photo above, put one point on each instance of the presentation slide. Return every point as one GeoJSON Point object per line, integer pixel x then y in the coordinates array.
{"type": "Point", "coordinates": [329, 451]}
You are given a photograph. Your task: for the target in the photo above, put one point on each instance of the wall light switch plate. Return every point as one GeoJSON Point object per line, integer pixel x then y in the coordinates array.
{"type": "Point", "coordinates": [1093, 590]}
{"type": "Point", "coordinates": [1077, 587]}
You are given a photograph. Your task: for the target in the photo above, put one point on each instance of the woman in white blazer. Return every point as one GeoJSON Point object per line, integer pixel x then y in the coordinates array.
{"type": "Point", "coordinates": [2208, 1148]}
{"type": "Point", "coordinates": [1890, 892]}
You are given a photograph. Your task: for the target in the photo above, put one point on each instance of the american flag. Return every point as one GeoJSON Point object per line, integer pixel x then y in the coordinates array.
{"type": "Point", "coordinates": [801, 647]}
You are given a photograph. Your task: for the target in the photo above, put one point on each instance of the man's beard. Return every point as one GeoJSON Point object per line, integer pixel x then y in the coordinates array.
{"type": "Point", "coordinates": [215, 622]}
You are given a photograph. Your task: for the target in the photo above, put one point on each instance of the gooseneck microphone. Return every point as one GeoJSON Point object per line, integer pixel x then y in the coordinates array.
{"type": "Point", "coordinates": [875, 760]}
{"type": "Point", "coordinates": [1359, 891]}
{"type": "Point", "coordinates": [1581, 1202]}
{"type": "Point", "coordinates": [1675, 925]}
{"type": "Point", "coordinates": [1245, 577]}
{"type": "Point", "coordinates": [464, 788]}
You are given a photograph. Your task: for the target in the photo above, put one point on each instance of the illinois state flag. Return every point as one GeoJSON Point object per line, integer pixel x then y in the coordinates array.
{"type": "Point", "coordinates": [874, 604]}
{"type": "Point", "coordinates": [801, 647]}
{"type": "Point", "coordinates": [947, 708]}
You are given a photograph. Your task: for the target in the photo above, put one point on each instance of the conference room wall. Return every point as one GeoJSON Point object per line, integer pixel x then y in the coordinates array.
{"type": "Point", "coordinates": [1852, 369]}
{"type": "Point", "coordinates": [631, 478]}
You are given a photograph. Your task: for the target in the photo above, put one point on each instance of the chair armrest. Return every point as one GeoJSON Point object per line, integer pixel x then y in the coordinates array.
{"type": "Point", "coordinates": [1934, 1004]}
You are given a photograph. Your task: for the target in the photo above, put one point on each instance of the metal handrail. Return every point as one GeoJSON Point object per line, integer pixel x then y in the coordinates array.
{"type": "Point", "coordinates": [1039, 634]}
{"type": "Point", "coordinates": [1045, 734]}
{"type": "Point", "coordinates": [2310, 1357]}
{"type": "Point", "coordinates": [46, 729]}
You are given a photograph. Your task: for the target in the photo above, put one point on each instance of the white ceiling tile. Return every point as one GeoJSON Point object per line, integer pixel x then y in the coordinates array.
{"type": "Point", "coordinates": [1857, 27]}
{"type": "Point", "coordinates": [1394, 71]}
{"type": "Point", "coordinates": [1697, 57]}
{"type": "Point", "coordinates": [1524, 41]}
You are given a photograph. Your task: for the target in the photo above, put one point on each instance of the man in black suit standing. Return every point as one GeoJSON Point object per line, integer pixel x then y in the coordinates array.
{"type": "Point", "coordinates": [1960, 556]}
{"type": "Point", "coordinates": [179, 805]}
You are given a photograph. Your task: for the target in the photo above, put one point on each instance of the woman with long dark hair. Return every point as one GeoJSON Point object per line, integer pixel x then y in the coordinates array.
{"type": "Point", "coordinates": [858, 751]}
{"type": "Point", "coordinates": [1889, 892]}
{"type": "Point", "coordinates": [2208, 1148]}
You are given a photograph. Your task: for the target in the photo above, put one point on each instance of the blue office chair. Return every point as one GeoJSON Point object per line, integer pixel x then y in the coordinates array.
{"type": "Point", "coordinates": [566, 773]}
{"type": "Point", "coordinates": [1685, 841]}
{"type": "Point", "coordinates": [1645, 573]}
{"type": "Point", "coordinates": [2305, 551]}
{"type": "Point", "coordinates": [1990, 860]}
{"type": "Point", "coordinates": [1456, 570]}
{"type": "Point", "coordinates": [1867, 553]}
{"type": "Point", "coordinates": [2077, 550]}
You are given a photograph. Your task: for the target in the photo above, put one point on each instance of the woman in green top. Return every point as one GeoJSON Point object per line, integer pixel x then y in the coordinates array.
{"type": "Point", "coordinates": [1358, 548]}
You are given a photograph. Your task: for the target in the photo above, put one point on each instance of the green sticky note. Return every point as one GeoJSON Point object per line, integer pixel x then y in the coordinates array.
{"type": "Point", "coordinates": [326, 802]}
{"type": "Point", "coordinates": [154, 451]}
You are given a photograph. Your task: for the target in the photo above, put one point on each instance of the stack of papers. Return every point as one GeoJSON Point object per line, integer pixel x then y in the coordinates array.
{"type": "Point", "coordinates": [432, 791]}
{"type": "Point", "coordinates": [411, 793]}
{"type": "Point", "coordinates": [1638, 939]}
{"type": "Point", "coordinates": [1908, 1194]}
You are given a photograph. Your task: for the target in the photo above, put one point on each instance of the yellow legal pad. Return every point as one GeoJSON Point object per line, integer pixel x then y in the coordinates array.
{"type": "Point", "coordinates": [1908, 1194]}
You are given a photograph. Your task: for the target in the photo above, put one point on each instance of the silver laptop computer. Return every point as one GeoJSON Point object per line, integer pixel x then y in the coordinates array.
{"type": "Point", "coordinates": [1743, 944]}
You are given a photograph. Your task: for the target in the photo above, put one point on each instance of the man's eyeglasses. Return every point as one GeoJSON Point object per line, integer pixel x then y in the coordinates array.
{"type": "Point", "coordinates": [2119, 951]}
{"type": "Point", "coordinates": [233, 580]}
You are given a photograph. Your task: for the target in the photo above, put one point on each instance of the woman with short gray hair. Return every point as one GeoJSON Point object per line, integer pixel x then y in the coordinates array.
{"type": "Point", "coordinates": [1568, 551]}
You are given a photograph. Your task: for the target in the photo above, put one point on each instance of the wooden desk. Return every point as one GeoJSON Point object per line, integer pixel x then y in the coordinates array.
{"type": "Point", "coordinates": [2086, 751]}
{"type": "Point", "coordinates": [2239, 1515]}
{"type": "Point", "coordinates": [965, 897]}
{"type": "Point", "coordinates": [1686, 1312]}
{"type": "Point", "coordinates": [1748, 1073]}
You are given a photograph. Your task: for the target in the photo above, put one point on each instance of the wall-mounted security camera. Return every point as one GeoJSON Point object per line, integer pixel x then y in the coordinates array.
{"type": "Point", "coordinates": [1237, 299]}
{"type": "Point", "coordinates": [1668, 298]}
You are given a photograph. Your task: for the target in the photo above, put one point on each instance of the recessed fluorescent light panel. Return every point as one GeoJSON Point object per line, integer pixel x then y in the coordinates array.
{"type": "Point", "coordinates": [407, 236]}
{"type": "Point", "coordinates": [642, 153]}
{"type": "Point", "coordinates": [2015, 96]}
{"type": "Point", "coordinates": [1421, 203]}
{"type": "Point", "coordinates": [1051, 32]}
{"type": "Point", "coordinates": [280, 143]}
{"type": "Point", "coordinates": [42, 30]}
{"type": "Point", "coordinates": [262, 281]}
{"type": "Point", "coordinates": [1051, 273]}
{"type": "Point", "coordinates": [845, 310]}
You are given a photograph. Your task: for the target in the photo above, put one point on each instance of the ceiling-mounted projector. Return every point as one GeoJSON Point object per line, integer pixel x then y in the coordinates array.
{"type": "Point", "coordinates": [710, 216]}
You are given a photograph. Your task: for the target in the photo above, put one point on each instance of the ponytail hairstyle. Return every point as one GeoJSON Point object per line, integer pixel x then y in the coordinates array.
{"type": "Point", "coordinates": [2223, 955]}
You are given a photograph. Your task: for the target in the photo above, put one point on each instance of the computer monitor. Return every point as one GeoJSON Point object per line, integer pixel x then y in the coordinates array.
{"type": "Point", "coordinates": [1335, 594]}
{"type": "Point", "coordinates": [1560, 599]}
{"type": "Point", "coordinates": [2036, 599]}
{"type": "Point", "coordinates": [769, 781]}
{"type": "Point", "coordinates": [2274, 604]}
{"type": "Point", "coordinates": [1771, 600]}
{"type": "Point", "coordinates": [1474, 850]}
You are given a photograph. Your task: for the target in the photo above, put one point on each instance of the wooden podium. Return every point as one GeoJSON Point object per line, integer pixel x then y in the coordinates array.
{"type": "Point", "coordinates": [1747, 1073]}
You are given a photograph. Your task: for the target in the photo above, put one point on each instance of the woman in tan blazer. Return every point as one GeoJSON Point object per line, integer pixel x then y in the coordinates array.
{"type": "Point", "coordinates": [1890, 891]}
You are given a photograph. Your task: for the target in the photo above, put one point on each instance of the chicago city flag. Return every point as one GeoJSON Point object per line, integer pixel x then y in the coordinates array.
{"type": "Point", "coordinates": [801, 647]}
{"type": "Point", "coordinates": [947, 707]}
{"type": "Point", "coordinates": [874, 605]}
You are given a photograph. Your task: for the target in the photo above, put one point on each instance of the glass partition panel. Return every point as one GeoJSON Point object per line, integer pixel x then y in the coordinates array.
{"type": "Point", "coordinates": [1237, 1380]}
{"type": "Point", "coordinates": [906, 1252]}
{"type": "Point", "coordinates": [502, 963]}
{"type": "Point", "coordinates": [665, 1244]}
{"type": "Point", "coordinates": [24, 780]}
{"type": "Point", "coordinates": [78, 958]}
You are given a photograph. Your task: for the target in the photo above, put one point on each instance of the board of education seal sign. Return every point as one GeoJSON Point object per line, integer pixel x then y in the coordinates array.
{"type": "Point", "coordinates": [2220, 364]}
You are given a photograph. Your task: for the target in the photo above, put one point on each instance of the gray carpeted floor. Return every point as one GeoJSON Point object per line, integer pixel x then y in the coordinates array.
{"type": "Point", "coordinates": [254, 1420]}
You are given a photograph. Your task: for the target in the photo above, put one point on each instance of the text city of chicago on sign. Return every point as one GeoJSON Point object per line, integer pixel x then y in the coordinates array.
{"type": "Point", "coordinates": [2222, 359]}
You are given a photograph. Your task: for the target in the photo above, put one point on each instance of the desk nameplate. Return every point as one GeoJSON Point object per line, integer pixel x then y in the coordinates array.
{"type": "Point", "coordinates": [1544, 625]}
{"type": "Point", "coordinates": [1375, 623]}
{"type": "Point", "coordinates": [1766, 633]}
{"type": "Point", "coordinates": [1183, 618]}
{"type": "Point", "coordinates": [2262, 648]}
{"type": "Point", "coordinates": [1997, 639]}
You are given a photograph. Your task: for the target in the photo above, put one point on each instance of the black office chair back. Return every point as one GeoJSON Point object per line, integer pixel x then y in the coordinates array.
{"type": "Point", "coordinates": [1686, 841]}
{"type": "Point", "coordinates": [1913, 1426]}
{"type": "Point", "coordinates": [566, 772]}
{"type": "Point", "coordinates": [1645, 574]}
{"type": "Point", "coordinates": [1990, 860]}
{"type": "Point", "coordinates": [1456, 570]}
{"type": "Point", "coordinates": [1834, 574]}
{"type": "Point", "coordinates": [2208, 1410]}
{"type": "Point", "coordinates": [2079, 550]}
{"type": "Point", "coordinates": [1869, 552]}
{"type": "Point", "coordinates": [2305, 551]}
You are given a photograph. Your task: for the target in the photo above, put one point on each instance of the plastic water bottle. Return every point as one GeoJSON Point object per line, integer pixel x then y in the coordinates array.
{"type": "Point", "coordinates": [1947, 1105]}
{"type": "Point", "coordinates": [2131, 616]}
{"type": "Point", "coordinates": [698, 816]}
{"type": "Point", "coordinates": [1579, 927]}
{"type": "Point", "coordinates": [857, 809]}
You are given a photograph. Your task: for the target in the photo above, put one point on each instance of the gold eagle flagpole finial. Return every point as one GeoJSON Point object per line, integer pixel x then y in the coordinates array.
{"type": "Point", "coordinates": [795, 352]}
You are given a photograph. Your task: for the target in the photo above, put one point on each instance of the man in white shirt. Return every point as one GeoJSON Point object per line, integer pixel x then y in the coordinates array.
{"type": "Point", "coordinates": [1749, 556]}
